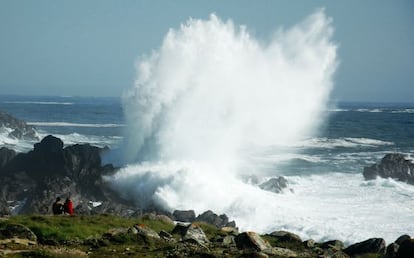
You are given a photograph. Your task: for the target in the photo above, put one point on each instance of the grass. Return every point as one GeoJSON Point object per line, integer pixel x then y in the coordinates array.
{"type": "Point", "coordinates": [61, 228]}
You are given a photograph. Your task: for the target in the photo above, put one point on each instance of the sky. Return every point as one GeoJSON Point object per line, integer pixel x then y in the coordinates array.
{"type": "Point", "coordinates": [90, 48]}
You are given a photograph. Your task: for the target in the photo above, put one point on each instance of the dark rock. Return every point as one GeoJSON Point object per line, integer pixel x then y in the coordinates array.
{"type": "Point", "coordinates": [373, 245]}
{"type": "Point", "coordinates": [165, 235]}
{"type": "Point", "coordinates": [17, 231]}
{"type": "Point", "coordinates": [395, 165]}
{"type": "Point", "coordinates": [284, 236]}
{"type": "Point", "coordinates": [21, 130]}
{"type": "Point", "coordinates": [333, 244]}
{"type": "Point", "coordinates": [180, 228]}
{"type": "Point", "coordinates": [4, 208]}
{"type": "Point", "coordinates": [184, 216]}
{"type": "Point", "coordinates": [251, 240]}
{"type": "Point", "coordinates": [406, 249]}
{"type": "Point", "coordinates": [216, 220]}
{"type": "Point", "coordinates": [392, 250]}
{"type": "Point", "coordinates": [49, 144]}
{"type": "Point", "coordinates": [36, 178]}
{"type": "Point", "coordinates": [402, 239]}
{"type": "Point", "coordinates": [275, 185]}
{"type": "Point", "coordinates": [5, 156]}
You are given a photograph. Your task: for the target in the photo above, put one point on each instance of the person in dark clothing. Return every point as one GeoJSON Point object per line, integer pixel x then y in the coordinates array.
{"type": "Point", "coordinates": [57, 206]}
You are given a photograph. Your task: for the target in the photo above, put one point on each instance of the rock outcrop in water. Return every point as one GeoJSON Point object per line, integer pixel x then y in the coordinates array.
{"type": "Point", "coordinates": [31, 181]}
{"type": "Point", "coordinates": [16, 128]}
{"type": "Point", "coordinates": [395, 165]}
{"type": "Point", "coordinates": [276, 185]}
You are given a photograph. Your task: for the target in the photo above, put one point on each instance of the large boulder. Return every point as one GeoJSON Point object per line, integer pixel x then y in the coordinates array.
{"type": "Point", "coordinates": [373, 245]}
{"type": "Point", "coordinates": [184, 215]}
{"type": "Point", "coordinates": [216, 220]}
{"type": "Point", "coordinates": [395, 165]}
{"type": "Point", "coordinates": [191, 233]}
{"type": "Point", "coordinates": [284, 236]}
{"type": "Point", "coordinates": [196, 234]}
{"type": "Point", "coordinates": [252, 240]}
{"type": "Point", "coordinates": [406, 249]}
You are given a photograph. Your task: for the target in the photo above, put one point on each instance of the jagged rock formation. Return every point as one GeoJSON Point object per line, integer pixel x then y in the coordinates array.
{"type": "Point", "coordinates": [33, 180]}
{"type": "Point", "coordinates": [17, 128]}
{"type": "Point", "coordinates": [207, 216]}
{"type": "Point", "coordinates": [395, 165]}
{"type": "Point", "coordinates": [275, 185]}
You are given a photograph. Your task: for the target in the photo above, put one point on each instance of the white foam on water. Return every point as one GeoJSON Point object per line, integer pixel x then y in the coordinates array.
{"type": "Point", "coordinates": [345, 142]}
{"type": "Point", "coordinates": [322, 207]}
{"type": "Point", "coordinates": [39, 102]}
{"type": "Point", "coordinates": [68, 124]}
{"type": "Point", "coordinates": [96, 140]}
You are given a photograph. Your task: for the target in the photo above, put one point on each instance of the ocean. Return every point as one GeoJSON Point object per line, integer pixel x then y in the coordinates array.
{"type": "Point", "coordinates": [327, 196]}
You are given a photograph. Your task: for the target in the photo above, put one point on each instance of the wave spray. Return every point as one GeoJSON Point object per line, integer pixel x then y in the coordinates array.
{"type": "Point", "coordinates": [208, 100]}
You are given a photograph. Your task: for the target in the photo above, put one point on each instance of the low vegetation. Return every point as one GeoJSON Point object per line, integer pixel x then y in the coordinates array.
{"type": "Point", "coordinates": [110, 236]}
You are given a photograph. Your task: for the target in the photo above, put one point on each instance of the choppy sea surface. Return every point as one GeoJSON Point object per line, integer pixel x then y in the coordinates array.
{"type": "Point", "coordinates": [329, 197]}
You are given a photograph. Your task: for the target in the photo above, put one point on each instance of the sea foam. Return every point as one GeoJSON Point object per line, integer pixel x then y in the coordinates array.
{"type": "Point", "coordinates": [211, 97]}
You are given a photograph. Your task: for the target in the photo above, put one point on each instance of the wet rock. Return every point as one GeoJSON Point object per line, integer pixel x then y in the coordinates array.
{"type": "Point", "coordinates": [406, 249]}
{"type": "Point", "coordinates": [373, 245]}
{"type": "Point", "coordinates": [184, 215]}
{"type": "Point", "coordinates": [395, 165]}
{"type": "Point", "coordinates": [275, 185]}
{"type": "Point", "coordinates": [214, 219]}
{"type": "Point", "coordinates": [251, 240]}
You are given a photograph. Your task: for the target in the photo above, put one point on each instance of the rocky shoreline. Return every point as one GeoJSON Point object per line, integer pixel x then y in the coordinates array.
{"type": "Point", "coordinates": [180, 239]}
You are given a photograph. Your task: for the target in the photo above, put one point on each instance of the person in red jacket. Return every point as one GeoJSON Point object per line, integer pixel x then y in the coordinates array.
{"type": "Point", "coordinates": [69, 206]}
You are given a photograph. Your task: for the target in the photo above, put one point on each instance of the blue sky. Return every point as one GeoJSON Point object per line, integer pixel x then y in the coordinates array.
{"type": "Point", "coordinates": [89, 48]}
